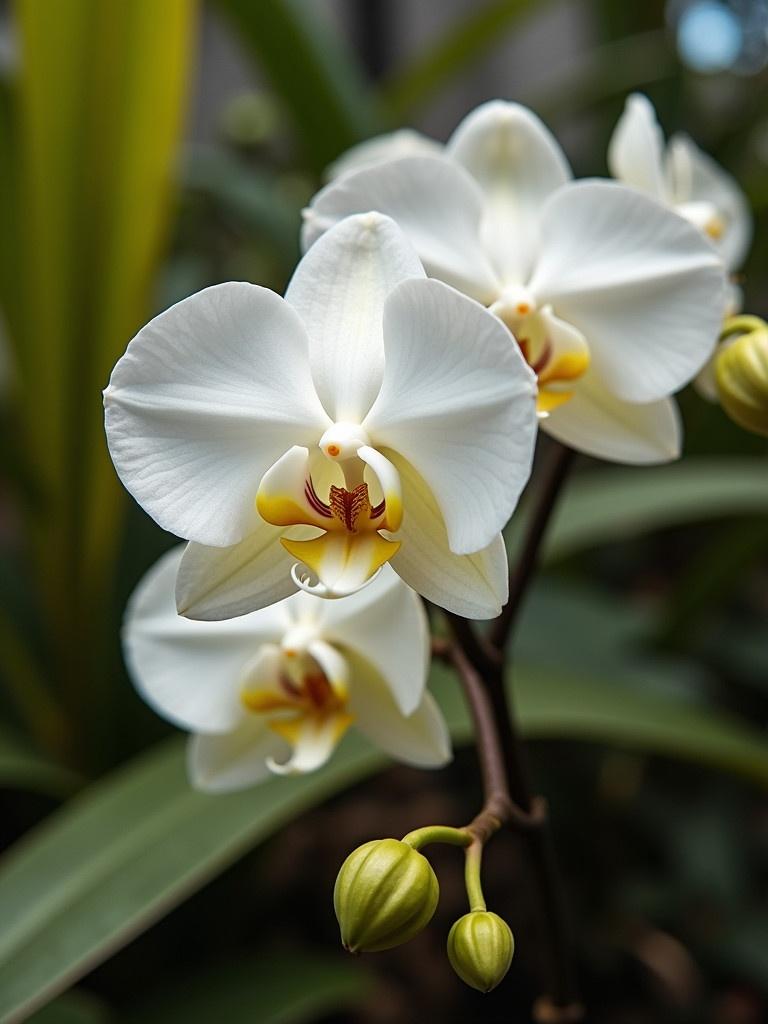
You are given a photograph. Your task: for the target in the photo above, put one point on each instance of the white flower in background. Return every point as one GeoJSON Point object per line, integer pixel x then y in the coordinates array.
{"type": "Point", "coordinates": [403, 142]}
{"type": "Point", "coordinates": [274, 691]}
{"type": "Point", "coordinates": [352, 415]}
{"type": "Point", "coordinates": [681, 176]}
{"type": "Point", "coordinates": [615, 301]}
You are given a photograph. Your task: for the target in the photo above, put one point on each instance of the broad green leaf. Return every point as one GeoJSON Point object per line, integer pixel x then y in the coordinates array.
{"type": "Point", "coordinates": [119, 856]}
{"type": "Point", "coordinates": [602, 507]}
{"type": "Point", "coordinates": [413, 86]}
{"type": "Point", "coordinates": [269, 989]}
{"type": "Point", "coordinates": [317, 79]}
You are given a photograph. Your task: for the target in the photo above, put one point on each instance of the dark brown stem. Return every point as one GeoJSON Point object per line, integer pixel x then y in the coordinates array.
{"type": "Point", "coordinates": [509, 797]}
{"type": "Point", "coordinates": [553, 477]}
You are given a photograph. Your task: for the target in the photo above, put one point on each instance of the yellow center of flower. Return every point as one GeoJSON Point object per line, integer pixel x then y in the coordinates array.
{"type": "Point", "coordinates": [555, 351]}
{"type": "Point", "coordinates": [350, 550]}
{"type": "Point", "coordinates": [302, 706]}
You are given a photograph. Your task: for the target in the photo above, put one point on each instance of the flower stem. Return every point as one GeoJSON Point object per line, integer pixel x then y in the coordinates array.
{"type": "Point", "coordinates": [509, 797]}
{"type": "Point", "coordinates": [473, 859]}
{"type": "Point", "coordinates": [437, 834]}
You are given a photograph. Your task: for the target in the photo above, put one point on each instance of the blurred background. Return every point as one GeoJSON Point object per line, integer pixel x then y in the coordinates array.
{"type": "Point", "coordinates": [148, 149]}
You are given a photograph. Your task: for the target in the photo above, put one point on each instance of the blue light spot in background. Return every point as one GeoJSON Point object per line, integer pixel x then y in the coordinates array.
{"type": "Point", "coordinates": [709, 36]}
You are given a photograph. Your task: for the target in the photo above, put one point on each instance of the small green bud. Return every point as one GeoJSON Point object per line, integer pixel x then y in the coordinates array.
{"type": "Point", "coordinates": [741, 372]}
{"type": "Point", "coordinates": [480, 948]}
{"type": "Point", "coordinates": [386, 892]}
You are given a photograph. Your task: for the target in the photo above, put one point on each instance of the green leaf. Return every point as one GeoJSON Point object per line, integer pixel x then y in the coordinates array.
{"type": "Point", "coordinates": [249, 195]}
{"type": "Point", "coordinates": [269, 989]}
{"type": "Point", "coordinates": [464, 42]}
{"type": "Point", "coordinates": [100, 101]}
{"type": "Point", "coordinates": [120, 856]}
{"type": "Point", "coordinates": [313, 73]}
{"type": "Point", "coordinates": [72, 1008]}
{"type": "Point", "coordinates": [603, 507]}
{"type": "Point", "coordinates": [23, 768]}
{"type": "Point", "coordinates": [124, 853]}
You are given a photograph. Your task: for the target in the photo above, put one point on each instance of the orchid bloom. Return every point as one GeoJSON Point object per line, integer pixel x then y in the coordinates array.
{"type": "Point", "coordinates": [274, 691]}
{"type": "Point", "coordinates": [304, 442]}
{"type": "Point", "coordinates": [614, 300]}
{"type": "Point", "coordinates": [684, 178]}
{"type": "Point", "coordinates": [681, 176]}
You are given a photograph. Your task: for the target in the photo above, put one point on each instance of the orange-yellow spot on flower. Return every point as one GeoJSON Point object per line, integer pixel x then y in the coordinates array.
{"type": "Point", "coordinates": [333, 450]}
{"type": "Point", "coordinates": [715, 227]}
{"type": "Point", "coordinates": [523, 308]}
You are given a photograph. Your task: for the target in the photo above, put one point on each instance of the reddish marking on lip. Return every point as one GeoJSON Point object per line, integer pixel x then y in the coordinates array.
{"type": "Point", "coordinates": [317, 503]}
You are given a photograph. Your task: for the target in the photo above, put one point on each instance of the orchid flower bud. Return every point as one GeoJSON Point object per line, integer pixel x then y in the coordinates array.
{"type": "Point", "coordinates": [480, 948]}
{"type": "Point", "coordinates": [741, 371]}
{"type": "Point", "coordinates": [385, 894]}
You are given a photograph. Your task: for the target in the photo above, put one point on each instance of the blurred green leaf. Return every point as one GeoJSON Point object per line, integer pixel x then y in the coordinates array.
{"type": "Point", "coordinates": [269, 989]}
{"type": "Point", "coordinates": [23, 768]}
{"type": "Point", "coordinates": [251, 196]}
{"type": "Point", "coordinates": [121, 855]}
{"type": "Point", "coordinates": [602, 507]}
{"type": "Point", "coordinates": [101, 94]}
{"type": "Point", "coordinates": [466, 41]}
{"type": "Point", "coordinates": [611, 70]}
{"type": "Point", "coordinates": [72, 1008]}
{"type": "Point", "coordinates": [317, 78]}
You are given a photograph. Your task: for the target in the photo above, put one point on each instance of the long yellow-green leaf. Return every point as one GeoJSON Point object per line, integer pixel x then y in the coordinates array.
{"type": "Point", "coordinates": [101, 100]}
{"type": "Point", "coordinates": [122, 854]}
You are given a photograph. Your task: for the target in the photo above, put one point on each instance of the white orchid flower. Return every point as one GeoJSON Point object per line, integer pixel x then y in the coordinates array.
{"type": "Point", "coordinates": [615, 301]}
{"type": "Point", "coordinates": [347, 425]}
{"type": "Point", "coordinates": [274, 691]}
{"type": "Point", "coordinates": [689, 181]}
{"type": "Point", "coordinates": [681, 176]}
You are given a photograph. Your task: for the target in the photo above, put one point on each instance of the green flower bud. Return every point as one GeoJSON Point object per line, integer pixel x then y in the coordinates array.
{"type": "Point", "coordinates": [480, 948]}
{"type": "Point", "coordinates": [386, 892]}
{"type": "Point", "coordinates": [741, 372]}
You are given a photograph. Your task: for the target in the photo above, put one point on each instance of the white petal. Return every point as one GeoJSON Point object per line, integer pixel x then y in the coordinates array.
{"type": "Point", "coordinates": [518, 163]}
{"type": "Point", "coordinates": [204, 400]}
{"type": "Point", "coordinates": [339, 289]}
{"type": "Point", "coordinates": [420, 738]}
{"type": "Point", "coordinates": [642, 285]}
{"type": "Point", "coordinates": [597, 423]}
{"type": "Point", "coordinates": [404, 142]}
{"type": "Point", "coordinates": [436, 202]}
{"type": "Point", "coordinates": [220, 583]}
{"type": "Point", "coordinates": [474, 586]}
{"type": "Point", "coordinates": [458, 401]}
{"type": "Point", "coordinates": [235, 760]}
{"type": "Point", "coordinates": [189, 671]}
{"type": "Point", "coordinates": [696, 177]}
{"type": "Point", "coordinates": [636, 149]}
{"type": "Point", "coordinates": [384, 622]}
